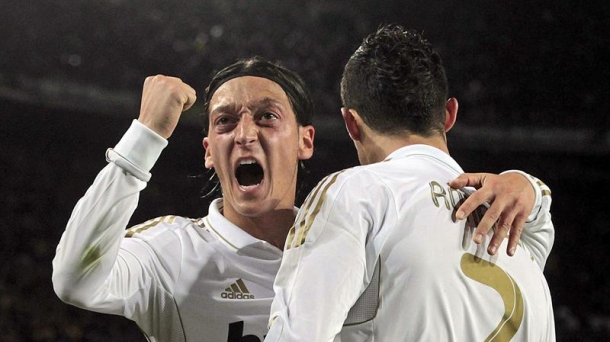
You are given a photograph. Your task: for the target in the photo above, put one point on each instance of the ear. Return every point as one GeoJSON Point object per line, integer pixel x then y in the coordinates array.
{"type": "Point", "coordinates": [209, 163]}
{"type": "Point", "coordinates": [306, 136]}
{"type": "Point", "coordinates": [351, 124]}
{"type": "Point", "coordinates": [451, 109]}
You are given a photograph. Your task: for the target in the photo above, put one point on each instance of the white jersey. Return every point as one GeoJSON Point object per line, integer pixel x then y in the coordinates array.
{"type": "Point", "coordinates": [179, 279]}
{"type": "Point", "coordinates": [376, 256]}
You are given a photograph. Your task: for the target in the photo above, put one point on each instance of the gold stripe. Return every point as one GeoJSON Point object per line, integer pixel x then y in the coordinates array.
{"type": "Point", "coordinates": [302, 214]}
{"type": "Point", "coordinates": [199, 222]}
{"type": "Point", "coordinates": [513, 314]}
{"type": "Point", "coordinates": [495, 277]}
{"type": "Point", "coordinates": [272, 321]}
{"type": "Point", "coordinates": [546, 191]}
{"type": "Point", "coordinates": [242, 286]}
{"type": "Point", "coordinates": [305, 229]}
{"type": "Point", "coordinates": [208, 224]}
{"type": "Point", "coordinates": [540, 183]}
{"type": "Point", "coordinates": [234, 288]}
{"type": "Point", "coordinates": [142, 227]}
{"type": "Point", "coordinates": [289, 239]}
{"type": "Point", "coordinates": [149, 224]}
{"type": "Point", "coordinates": [310, 200]}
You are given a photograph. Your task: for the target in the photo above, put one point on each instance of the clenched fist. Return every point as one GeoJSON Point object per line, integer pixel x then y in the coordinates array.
{"type": "Point", "coordinates": [164, 98]}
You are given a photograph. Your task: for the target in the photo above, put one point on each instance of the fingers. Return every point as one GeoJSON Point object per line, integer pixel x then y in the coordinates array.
{"type": "Point", "coordinates": [502, 229]}
{"type": "Point", "coordinates": [511, 197]}
{"type": "Point", "coordinates": [191, 97]}
{"type": "Point", "coordinates": [164, 98]}
{"type": "Point", "coordinates": [515, 234]}
{"type": "Point", "coordinates": [475, 180]}
{"type": "Point", "coordinates": [485, 224]}
{"type": "Point", "coordinates": [477, 198]}
{"type": "Point", "coordinates": [509, 225]}
{"type": "Point", "coordinates": [166, 89]}
{"type": "Point", "coordinates": [472, 202]}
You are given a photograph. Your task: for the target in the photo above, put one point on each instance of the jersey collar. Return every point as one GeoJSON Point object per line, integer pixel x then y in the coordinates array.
{"type": "Point", "coordinates": [229, 234]}
{"type": "Point", "coordinates": [421, 149]}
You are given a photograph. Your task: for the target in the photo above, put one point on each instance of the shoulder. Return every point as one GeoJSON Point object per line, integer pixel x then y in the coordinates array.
{"type": "Point", "coordinates": [350, 175]}
{"type": "Point", "coordinates": [162, 225]}
{"type": "Point", "coordinates": [166, 238]}
{"type": "Point", "coordinates": [358, 185]}
{"type": "Point", "coordinates": [355, 179]}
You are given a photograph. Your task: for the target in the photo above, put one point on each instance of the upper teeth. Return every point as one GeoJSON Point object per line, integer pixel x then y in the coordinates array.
{"type": "Point", "coordinates": [247, 161]}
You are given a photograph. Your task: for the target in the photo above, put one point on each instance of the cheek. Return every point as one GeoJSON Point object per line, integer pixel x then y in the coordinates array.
{"type": "Point", "coordinates": [216, 154]}
{"type": "Point", "coordinates": [287, 150]}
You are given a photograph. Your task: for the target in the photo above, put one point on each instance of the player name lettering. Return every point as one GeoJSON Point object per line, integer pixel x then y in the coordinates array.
{"type": "Point", "coordinates": [445, 195]}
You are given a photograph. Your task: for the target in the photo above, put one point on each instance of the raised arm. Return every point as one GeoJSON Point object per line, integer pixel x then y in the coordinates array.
{"type": "Point", "coordinates": [87, 269]}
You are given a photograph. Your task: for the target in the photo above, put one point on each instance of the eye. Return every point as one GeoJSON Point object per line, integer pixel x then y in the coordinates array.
{"type": "Point", "coordinates": [222, 120]}
{"type": "Point", "coordinates": [224, 123]}
{"type": "Point", "coordinates": [267, 116]}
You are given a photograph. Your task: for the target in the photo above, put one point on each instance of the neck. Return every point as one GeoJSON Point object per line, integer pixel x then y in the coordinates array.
{"type": "Point", "coordinates": [272, 226]}
{"type": "Point", "coordinates": [377, 147]}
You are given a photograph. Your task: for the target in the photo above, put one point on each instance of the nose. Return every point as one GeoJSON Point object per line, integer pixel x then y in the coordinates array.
{"type": "Point", "coordinates": [247, 131]}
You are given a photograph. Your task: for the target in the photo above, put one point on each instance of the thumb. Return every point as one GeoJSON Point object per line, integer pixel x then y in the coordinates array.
{"type": "Point", "coordinates": [191, 97]}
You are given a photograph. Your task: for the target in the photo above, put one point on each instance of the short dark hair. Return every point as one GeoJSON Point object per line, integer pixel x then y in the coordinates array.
{"type": "Point", "coordinates": [396, 82]}
{"type": "Point", "coordinates": [293, 85]}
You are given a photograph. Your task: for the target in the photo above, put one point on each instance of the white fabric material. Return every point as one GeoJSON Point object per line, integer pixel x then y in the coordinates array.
{"type": "Point", "coordinates": [137, 151]}
{"type": "Point", "coordinates": [179, 279]}
{"type": "Point", "coordinates": [434, 283]}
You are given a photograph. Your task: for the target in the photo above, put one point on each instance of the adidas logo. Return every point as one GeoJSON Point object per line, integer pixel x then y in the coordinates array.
{"type": "Point", "coordinates": [237, 290]}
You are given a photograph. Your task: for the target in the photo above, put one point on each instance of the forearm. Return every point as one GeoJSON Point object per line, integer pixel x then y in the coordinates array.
{"type": "Point", "coordinates": [88, 249]}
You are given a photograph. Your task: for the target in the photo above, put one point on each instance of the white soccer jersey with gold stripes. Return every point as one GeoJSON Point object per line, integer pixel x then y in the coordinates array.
{"type": "Point", "coordinates": [376, 256]}
{"type": "Point", "coordinates": [179, 279]}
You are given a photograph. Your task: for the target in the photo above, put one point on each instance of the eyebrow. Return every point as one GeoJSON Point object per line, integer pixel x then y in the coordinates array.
{"type": "Point", "coordinates": [224, 109]}
{"type": "Point", "coordinates": [268, 102]}
{"type": "Point", "coordinates": [262, 103]}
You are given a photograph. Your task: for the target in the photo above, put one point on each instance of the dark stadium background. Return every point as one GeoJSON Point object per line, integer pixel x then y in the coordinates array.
{"type": "Point", "coordinates": [532, 78]}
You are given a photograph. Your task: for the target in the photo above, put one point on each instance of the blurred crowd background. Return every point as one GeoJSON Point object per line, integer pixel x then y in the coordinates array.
{"type": "Point", "coordinates": [532, 79]}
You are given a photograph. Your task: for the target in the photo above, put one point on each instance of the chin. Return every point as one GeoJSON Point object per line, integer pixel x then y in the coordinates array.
{"type": "Point", "coordinates": [254, 208]}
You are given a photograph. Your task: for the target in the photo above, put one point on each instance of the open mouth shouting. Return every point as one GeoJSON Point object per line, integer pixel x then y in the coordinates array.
{"type": "Point", "coordinates": [249, 174]}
